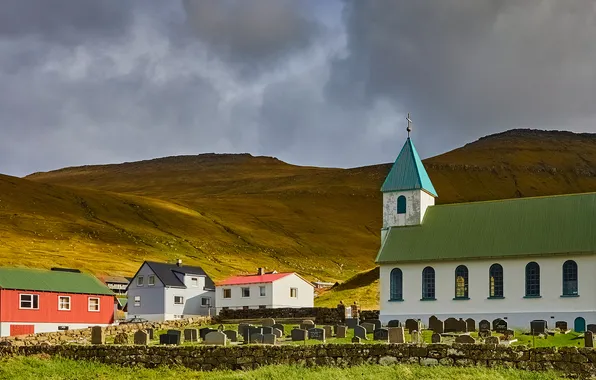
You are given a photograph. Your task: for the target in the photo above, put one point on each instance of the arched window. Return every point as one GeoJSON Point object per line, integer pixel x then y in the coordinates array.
{"type": "Point", "coordinates": [495, 278]}
{"type": "Point", "coordinates": [532, 280]}
{"type": "Point", "coordinates": [570, 278]}
{"type": "Point", "coordinates": [401, 204]}
{"type": "Point", "coordinates": [461, 282]}
{"type": "Point", "coordinates": [396, 283]}
{"type": "Point", "coordinates": [428, 283]}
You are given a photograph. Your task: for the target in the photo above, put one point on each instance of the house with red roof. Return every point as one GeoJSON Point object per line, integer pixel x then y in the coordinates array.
{"type": "Point", "coordinates": [264, 290]}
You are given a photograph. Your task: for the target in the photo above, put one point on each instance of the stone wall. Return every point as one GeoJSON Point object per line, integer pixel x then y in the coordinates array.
{"type": "Point", "coordinates": [570, 360]}
{"type": "Point", "coordinates": [321, 315]}
{"type": "Point", "coordinates": [83, 336]}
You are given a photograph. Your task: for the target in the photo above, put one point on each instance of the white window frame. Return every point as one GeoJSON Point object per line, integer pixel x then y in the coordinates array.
{"type": "Point", "coordinates": [242, 292]}
{"type": "Point", "coordinates": [262, 291]}
{"type": "Point", "coordinates": [89, 304]}
{"type": "Point", "coordinates": [194, 282]}
{"type": "Point", "coordinates": [295, 293]}
{"type": "Point", "coordinates": [179, 303]}
{"type": "Point", "coordinates": [137, 299]}
{"type": "Point", "coordinates": [224, 293]}
{"type": "Point", "coordinates": [60, 308]}
{"type": "Point", "coordinates": [151, 280]}
{"type": "Point", "coordinates": [140, 281]}
{"type": "Point", "coordinates": [32, 295]}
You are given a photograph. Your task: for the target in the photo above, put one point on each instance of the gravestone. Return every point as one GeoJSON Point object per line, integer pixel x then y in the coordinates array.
{"type": "Point", "coordinates": [356, 340]}
{"type": "Point", "coordinates": [471, 324]}
{"type": "Point", "coordinates": [352, 322]}
{"type": "Point", "coordinates": [279, 326]}
{"type": "Point", "coordinates": [484, 325]}
{"type": "Point", "coordinates": [268, 322]}
{"type": "Point", "coordinates": [394, 323]}
{"type": "Point", "coordinates": [465, 339]}
{"type": "Point", "coordinates": [316, 334]}
{"type": "Point", "coordinates": [588, 339]}
{"type": "Point", "coordinates": [561, 325]}
{"type": "Point", "coordinates": [360, 332]}
{"type": "Point", "coordinates": [381, 335]}
{"type": "Point", "coordinates": [98, 336]}
{"type": "Point", "coordinates": [397, 335]}
{"type": "Point", "coordinates": [231, 335]}
{"type": "Point", "coordinates": [415, 337]}
{"type": "Point", "coordinates": [307, 325]}
{"type": "Point", "coordinates": [435, 338]}
{"type": "Point", "coordinates": [538, 327]}
{"type": "Point", "coordinates": [191, 335]}
{"type": "Point", "coordinates": [509, 334]}
{"type": "Point", "coordinates": [370, 327]}
{"type": "Point", "coordinates": [175, 336]}
{"type": "Point", "coordinates": [492, 340]}
{"type": "Point", "coordinates": [462, 326]}
{"type": "Point", "coordinates": [341, 331]}
{"type": "Point", "coordinates": [266, 330]}
{"type": "Point", "coordinates": [375, 322]}
{"type": "Point", "coordinates": [299, 335]}
{"type": "Point", "coordinates": [437, 326]}
{"type": "Point", "coordinates": [203, 332]}
{"type": "Point", "coordinates": [251, 331]}
{"type": "Point", "coordinates": [217, 338]}
{"type": "Point", "coordinates": [591, 328]}
{"type": "Point", "coordinates": [432, 320]}
{"type": "Point", "coordinates": [165, 339]}
{"type": "Point", "coordinates": [121, 338]}
{"type": "Point", "coordinates": [500, 325]}
{"type": "Point", "coordinates": [242, 327]}
{"type": "Point", "coordinates": [256, 338]}
{"type": "Point", "coordinates": [278, 333]}
{"type": "Point", "coordinates": [328, 331]}
{"type": "Point", "coordinates": [150, 332]}
{"type": "Point", "coordinates": [451, 325]}
{"type": "Point", "coordinates": [141, 337]}
{"type": "Point", "coordinates": [411, 325]}
{"type": "Point", "coordinates": [269, 338]}
{"type": "Point", "coordinates": [483, 334]}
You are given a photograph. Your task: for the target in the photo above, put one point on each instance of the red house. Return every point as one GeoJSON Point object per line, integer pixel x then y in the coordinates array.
{"type": "Point", "coordinates": [34, 301]}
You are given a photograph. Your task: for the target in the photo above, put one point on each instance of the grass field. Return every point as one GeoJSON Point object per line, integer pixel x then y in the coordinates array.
{"type": "Point", "coordinates": [25, 368]}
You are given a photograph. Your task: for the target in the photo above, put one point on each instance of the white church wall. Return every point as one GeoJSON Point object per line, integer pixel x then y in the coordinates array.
{"type": "Point", "coordinates": [417, 201]}
{"type": "Point", "coordinates": [518, 311]}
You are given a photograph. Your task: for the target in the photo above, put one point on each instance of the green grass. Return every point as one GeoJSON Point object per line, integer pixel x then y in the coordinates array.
{"type": "Point", "coordinates": [25, 368]}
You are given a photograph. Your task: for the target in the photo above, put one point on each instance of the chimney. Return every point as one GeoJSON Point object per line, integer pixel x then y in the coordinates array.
{"type": "Point", "coordinates": [179, 262]}
{"type": "Point", "coordinates": [261, 271]}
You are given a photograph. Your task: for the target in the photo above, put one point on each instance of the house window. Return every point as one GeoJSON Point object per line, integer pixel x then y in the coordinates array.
{"type": "Point", "coordinates": [93, 304]}
{"type": "Point", "coordinates": [178, 300]}
{"type": "Point", "coordinates": [401, 204]}
{"type": "Point", "coordinates": [151, 280]}
{"type": "Point", "coordinates": [245, 292]}
{"type": "Point", "coordinates": [428, 283]}
{"type": "Point", "coordinates": [137, 301]}
{"type": "Point", "coordinates": [570, 278]}
{"type": "Point", "coordinates": [395, 285]}
{"type": "Point", "coordinates": [532, 280]}
{"type": "Point", "coordinates": [63, 303]}
{"type": "Point", "coordinates": [262, 306]}
{"type": "Point", "coordinates": [194, 282]}
{"type": "Point", "coordinates": [461, 282]}
{"type": "Point", "coordinates": [227, 293]}
{"type": "Point", "coordinates": [205, 301]}
{"type": "Point", "coordinates": [29, 301]}
{"type": "Point", "coordinates": [495, 278]}
{"type": "Point", "coordinates": [140, 281]}
{"type": "Point", "coordinates": [261, 291]}
{"type": "Point", "coordinates": [293, 292]}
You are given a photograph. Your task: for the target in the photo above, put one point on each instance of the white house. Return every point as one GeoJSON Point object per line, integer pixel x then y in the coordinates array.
{"type": "Point", "coordinates": [264, 290]}
{"type": "Point", "coordinates": [518, 259]}
{"type": "Point", "coordinates": [160, 292]}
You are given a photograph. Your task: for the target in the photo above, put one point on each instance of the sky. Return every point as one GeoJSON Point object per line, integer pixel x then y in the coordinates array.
{"type": "Point", "coordinates": [311, 82]}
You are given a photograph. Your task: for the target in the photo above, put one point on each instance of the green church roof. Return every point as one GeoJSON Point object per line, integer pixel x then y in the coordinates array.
{"type": "Point", "coordinates": [408, 172]}
{"type": "Point", "coordinates": [563, 224]}
{"type": "Point", "coordinates": [51, 281]}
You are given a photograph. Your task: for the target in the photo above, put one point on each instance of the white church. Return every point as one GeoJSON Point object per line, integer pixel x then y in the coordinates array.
{"type": "Point", "coordinates": [517, 259]}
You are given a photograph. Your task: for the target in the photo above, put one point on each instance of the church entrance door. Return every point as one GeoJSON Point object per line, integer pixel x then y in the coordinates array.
{"type": "Point", "coordinates": [579, 326]}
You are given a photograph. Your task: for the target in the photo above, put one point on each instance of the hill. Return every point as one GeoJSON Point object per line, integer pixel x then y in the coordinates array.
{"type": "Point", "coordinates": [233, 213]}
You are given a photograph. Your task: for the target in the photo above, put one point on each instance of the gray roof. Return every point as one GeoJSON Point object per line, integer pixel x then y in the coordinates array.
{"type": "Point", "coordinates": [166, 274]}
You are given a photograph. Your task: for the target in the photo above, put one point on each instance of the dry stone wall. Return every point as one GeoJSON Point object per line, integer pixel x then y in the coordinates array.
{"type": "Point", "coordinates": [321, 315]}
{"type": "Point", "coordinates": [570, 360]}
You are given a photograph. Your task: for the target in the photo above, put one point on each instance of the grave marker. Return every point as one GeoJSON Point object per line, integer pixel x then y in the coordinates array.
{"type": "Point", "coordinates": [269, 338]}
{"type": "Point", "coordinates": [435, 338]}
{"type": "Point", "coordinates": [397, 335]}
{"type": "Point", "coordinates": [328, 331]}
{"type": "Point", "coordinates": [451, 325]}
{"type": "Point", "coordinates": [268, 322]}
{"type": "Point", "coordinates": [484, 325]}
{"type": "Point", "coordinates": [341, 331]}
{"type": "Point", "coordinates": [360, 332]}
{"type": "Point", "coordinates": [279, 326]}
{"type": "Point", "coordinates": [471, 324]}
{"type": "Point", "coordinates": [256, 338]}
{"type": "Point", "coordinates": [591, 328]}
{"type": "Point", "coordinates": [203, 332]}
{"type": "Point", "coordinates": [356, 340]}
{"type": "Point", "coordinates": [191, 335]}
{"type": "Point", "coordinates": [538, 327]}
{"type": "Point", "coordinates": [561, 325]}
{"type": "Point", "coordinates": [370, 327]}
{"type": "Point", "coordinates": [316, 334]}
{"type": "Point", "coordinates": [411, 325]}
{"type": "Point", "coordinates": [266, 330]}
{"type": "Point", "coordinates": [175, 336]}
{"type": "Point", "coordinates": [381, 335]}
{"type": "Point", "coordinates": [278, 333]}
{"type": "Point", "coordinates": [437, 326]}
{"type": "Point", "coordinates": [307, 325]}
{"type": "Point", "coordinates": [299, 335]}
{"type": "Point", "coordinates": [394, 323]}
{"type": "Point", "coordinates": [352, 322]}
{"type": "Point", "coordinates": [217, 338]}
{"type": "Point", "coordinates": [466, 339]}
{"type": "Point", "coordinates": [141, 337]}
{"type": "Point", "coordinates": [98, 336]}
{"type": "Point", "coordinates": [588, 339]}
{"type": "Point", "coordinates": [231, 335]}
{"type": "Point", "coordinates": [376, 322]}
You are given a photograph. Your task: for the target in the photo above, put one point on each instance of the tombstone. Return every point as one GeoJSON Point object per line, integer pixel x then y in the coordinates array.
{"type": "Point", "coordinates": [375, 322]}
{"type": "Point", "coordinates": [174, 336]}
{"type": "Point", "coordinates": [217, 338]}
{"type": "Point", "coordinates": [509, 334]}
{"type": "Point", "coordinates": [268, 322]}
{"type": "Point", "coordinates": [538, 327]}
{"type": "Point", "coordinates": [438, 326]}
{"type": "Point", "coordinates": [256, 338]}
{"type": "Point", "coordinates": [299, 335]}
{"type": "Point", "coordinates": [98, 336]}
{"type": "Point", "coordinates": [266, 330]}
{"type": "Point", "coordinates": [307, 325]}
{"type": "Point", "coordinates": [462, 326]}
{"type": "Point", "coordinates": [352, 322]}
{"type": "Point", "coordinates": [436, 338]}
{"type": "Point", "coordinates": [278, 333]}
{"type": "Point", "coordinates": [356, 340]}
{"type": "Point", "coordinates": [432, 320]}
{"type": "Point", "coordinates": [370, 327]}
{"type": "Point", "coordinates": [150, 332]}
{"type": "Point", "coordinates": [397, 335]}
{"type": "Point", "coordinates": [328, 331]}
{"type": "Point", "coordinates": [471, 324]}
{"type": "Point", "coordinates": [591, 328]}
{"type": "Point", "coordinates": [394, 323]}
{"type": "Point", "coordinates": [252, 330]}
{"type": "Point", "coordinates": [561, 325]}
{"type": "Point", "coordinates": [415, 337]}
{"type": "Point", "coordinates": [499, 325]}
{"type": "Point", "coordinates": [588, 339]}
{"type": "Point", "coordinates": [231, 335]}
{"type": "Point", "coordinates": [492, 340]}
{"type": "Point", "coordinates": [165, 339]}
{"type": "Point", "coordinates": [411, 325]}
{"type": "Point", "coordinates": [466, 339]}
{"type": "Point", "coordinates": [483, 334]}
{"type": "Point", "coordinates": [269, 338]}
{"type": "Point", "coordinates": [242, 327]}
{"type": "Point", "coordinates": [121, 338]}
{"type": "Point", "coordinates": [381, 334]}
{"type": "Point", "coordinates": [316, 334]}
{"type": "Point", "coordinates": [279, 326]}
{"type": "Point", "coordinates": [484, 325]}
{"type": "Point", "coordinates": [451, 325]}
{"type": "Point", "coordinates": [202, 332]}
{"type": "Point", "coordinates": [141, 337]}
{"type": "Point", "coordinates": [341, 331]}
{"type": "Point", "coordinates": [191, 335]}
{"type": "Point", "coordinates": [360, 332]}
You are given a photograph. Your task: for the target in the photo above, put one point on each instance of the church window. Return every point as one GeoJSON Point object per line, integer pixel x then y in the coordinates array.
{"type": "Point", "coordinates": [428, 283]}
{"type": "Point", "coordinates": [396, 283]}
{"type": "Point", "coordinates": [401, 204]}
{"type": "Point", "coordinates": [570, 278]}
{"type": "Point", "coordinates": [532, 280]}
{"type": "Point", "coordinates": [495, 274]}
{"type": "Point", "coordinates": [461, 282]}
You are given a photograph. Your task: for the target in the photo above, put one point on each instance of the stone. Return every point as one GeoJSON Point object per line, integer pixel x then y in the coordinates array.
{"type": "Point", "coordinates": [509, 334]}
{"type": "Point", "coordinates": [256, 338]}
{"type": "Point", "coordinates": [381, 335]}
{"type": "Point", "coordinates": [356, 340]}
{"type": "Point", "coordinates": [588, 339]}
{"type": "Point", "coordinates": [397, 335]}
{"type": "Point", "coordinates": [352, 322]}
{"type": "Point", "coordinates": [370, 327]}
{"type": "Point", "coordinates": [269, 338]}
{"type": "Point", "coordinates": [98, 336]}
{"type": "Point", "coordinates": [278, 333]}
{"type": "Point", "coordinates": [471, 324]}
{"type": "Point", "coordinates": [150, 332]}
{"type": "Point", "coordinates": [561, 325]}
{"type": "Point", "coordinates": [465, 339]}
{"type": "Point", "coordinates": [328, 331]}
{"type": "Point", "coordinates": [307, 324]}
{"type": "Point", "coordinates": [268, 322]}
{"type": "Point", "coordinates": [415, 337]}
{"type": "Point", "coordinates": [174, 336]}
{"type": "Point", "coordinates": [591, 328]}
{"type": "Point", "coordinates": [231, 335]}
{"type": "Point", "coordinates": [492, 340]}
{"type": "Point", "coordinates": [216, 338]}
{"type": "Point", "coordinates": [451, 325]}
{"type": "Point", "coordinates": [394, 323]}
{"type": "Point", "coordinates": [252, 330]}
{"type": "Point", "coordinates": [435, 338]}
{"type": "Point", "coordinates": [483, 334]}
{"type": "Point", "coordinates": [279, 326]}
{"type": "Point", "coordinates": [538, 327]}
{"type": "Point", "coordinates": [266, 330]}
{"type": "Point", "coordinates": [203, 332]}
{"type": "Point", "coordinates": [500, 325]}
{"type": "Point", "coordinates": [121, 338]}
{"type": "Point", "coordinates": [484, 325]}
{"type": "Point", "coordinates": [411, 325]}
{"type": "Point", "coordinates": [242, 327]}
{"type": "Point", "coordinates": [462, 326]}
{"type": "Point", "coordinates": [141, 337]}
{"type": "Point", "coordinates": [299, 335]}
{"type": "Point", "coordinates": [191, 335]}
{"type": "Point", "coordinates": [341, 331]}
{"type": "Point", "coordinates": [437, 326]}
{"type": "Point", "coordinates": [375, 322]}
{"type": "Point", "coordinates": [316, 334]}
{"type": "Point", "coordinates": [360, 332]}
{"type": "Point", "coordinates": [432, 320]}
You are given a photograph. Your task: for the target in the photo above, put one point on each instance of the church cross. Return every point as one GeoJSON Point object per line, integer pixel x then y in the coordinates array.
{"type": "Point", "coordinates": [409, 129]}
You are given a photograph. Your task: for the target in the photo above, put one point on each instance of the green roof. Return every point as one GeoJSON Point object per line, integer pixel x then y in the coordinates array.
{"type": "Point", "coordinates": [408, 172]}
{"type": "Point", "coordinates": [561, 224]}
{"type": "Point", "coordinates": [51, 281]}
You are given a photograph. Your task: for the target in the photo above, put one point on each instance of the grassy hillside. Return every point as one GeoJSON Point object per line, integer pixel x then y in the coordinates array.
{"type": "Point", "coordinates": [233, 213]}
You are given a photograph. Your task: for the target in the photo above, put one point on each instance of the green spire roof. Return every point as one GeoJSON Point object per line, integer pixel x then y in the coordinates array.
{"type": "Point", "coordinates": [408, 172]}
